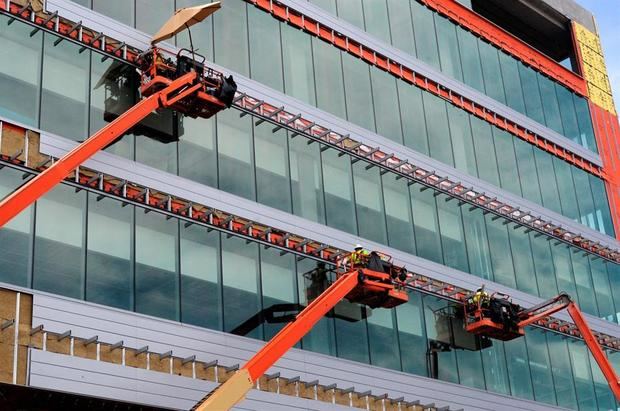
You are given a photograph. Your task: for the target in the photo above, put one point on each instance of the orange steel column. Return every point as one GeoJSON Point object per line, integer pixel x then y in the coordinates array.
{"type": "Point", "coordinates": [595, 349]}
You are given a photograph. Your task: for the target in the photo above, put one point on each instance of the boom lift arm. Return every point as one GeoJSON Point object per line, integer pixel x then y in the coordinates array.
{"type": "Point", "coordinates": [373, 288]}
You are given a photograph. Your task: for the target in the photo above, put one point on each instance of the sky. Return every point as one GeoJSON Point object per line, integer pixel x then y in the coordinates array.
{"type": "Point", "coordinates": [607, 14]}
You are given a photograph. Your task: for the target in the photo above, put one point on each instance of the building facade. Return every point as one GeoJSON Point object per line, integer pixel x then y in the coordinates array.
{"type": "Point", "coordinates": [509, 100]}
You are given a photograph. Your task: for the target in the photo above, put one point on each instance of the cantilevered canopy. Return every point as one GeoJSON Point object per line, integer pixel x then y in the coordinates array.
{"type": "Point", "coordinates": [183, 19]}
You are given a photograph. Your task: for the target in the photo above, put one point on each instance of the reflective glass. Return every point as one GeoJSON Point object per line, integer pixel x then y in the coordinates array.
{"type": "Point", "coordinates": [604, 396]}
{"type": "Point", "coordinates": [338, 184]}
{"type": "Point", "coordinates": [154, 153]}
{"type": "Point", "coordinates": [376, 19]}
{"type": "Point", "coordinates": [384, 98]}
{"type": "Point", "coordinates": [471, 373]}
{"type": "Point", "coordinates": [414, 124]}
{"type": "Point", "coordinates": [506, 161]}
{"type": "Point", "coordinates": [352, 337]}
{"type": "Point", "coordinates": [494, 364]}
{"type": "Point", "coordinates": [59, 242]}
{"type": "Point", "coordinates": [398, 214]}
{"type": "Point", "coordinates": [499, 245]}
{"type": "Point", "coordinates": [383, 339]}
{"type": "Point", "coordinates": [518, 367]}
{"type": "Point", "coordinates": [358, 92]}
{"type": "Point", "coordinates": [584, 119]}
{"type": "Point", "coordinates": [563, 270]}
{"type": "Point", "coordinates": [583, 376]}
{"type": "Point", "coordinates": [401, 26]}
{"type": "Point", "coordinates": [298, 67]}
{"type": "Point", "coordinates": [351, 11]}
{"type": "Point", "coordinates": [543, 264]}
{"type": "Point", "coordinates": [470, 59]}
{"type": "Point", "coordinates": [201, 285]}
{"type": "Point", "coordinates": [152, 14]}
{"type": "Point", "coordinates": [583, 283]}
{"type": "Point", "coordinates": [121, 10]}
{"type": "Point", "coordinates": [329, 5]}
{"type": "Point", "coordinates": [528, 175]}
{"type": "Point", "coordinates": [411, 333]}
{"type": "Point", "coordinates": [567, 113]}
{"type": "Point", "coordinates": [231, 37]}
{"type": "Point", "coordinates": [241, 295]}
{"type": "Point", "coordinates": [603, 219]}
{"type": "Point", "coordinates": [478, 251]}
{"type": "Point", "coordinates": [525, 273]}
{"type": "Point", "coordinates": [491, 71]}
{"type": "Point", "coordinates": [426, 224]}
{"type": "Point", "coordinates": [585, 201]}
{"type": "Point", "coordinates": [64, 98]}
{"type": "Point", "coordinates": [547, 180]}
{"type": "Point", "coordinates": [369, 203]}
{"type": "Point", "coordinates": [306, 180]}
{"type": "Point", "coordinates": [197, 151]}
{"type": "Point", "coordinates": [512, 82]}
{"type": "Point", "coordinates": [20, 66]}
{"type": "Point", "coordinates": [157, 280]}
{"type": "Point", "coordinates": [437, 128]}
{"type": "Point", "coordinates": [452, 236]}
{"type": "Point", "coordinates": [602, 289]}
{"type": "Point", "coordinates": [566, 189]}
{"type": "Point", "coordinates": [279, 284]}
{"type": "Point", "coordinates": [330, 94]}
{"type": "Point", "coordinates": [235, 154]}
{"type": "Point", "coordinates": [202, 34]}
{"type": "Point", "coordinates": [448, 48]}
{"type": "Point", "coordinates": [531, 94]}
{"type": "Point", "coordinates": [437, 329]}
{"type": "Point", "coordinates": [109, 272]}
{"type": "Point", "coordinates": [424, 31]}
{"type": "Point", "coordinates": [562, 371]}
{"type": "Point", "coordinates": [551, 107]}
{"type": "Point", "coordinates": [485, 151]}
{"type": "Point", "coordinates": [272, 168]}
{"type": "Point", "coordinates": [462, 143]}
{"type": "Point", "coordinates": [265, 56]}
{"type": "Point", "coordinates": [540, 366]}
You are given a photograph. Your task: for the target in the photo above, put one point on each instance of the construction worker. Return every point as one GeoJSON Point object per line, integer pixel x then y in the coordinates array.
{"type": "Point", "coordinates": [481, 297]}
{"type": "Point", "coordinates": [359, 256]}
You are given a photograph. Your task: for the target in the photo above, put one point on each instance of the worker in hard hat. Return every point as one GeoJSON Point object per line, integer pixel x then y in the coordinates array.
{"type": "Point", "coordinates": [480, 297]}
{"type": "Point", "coordinates": [359, 256]}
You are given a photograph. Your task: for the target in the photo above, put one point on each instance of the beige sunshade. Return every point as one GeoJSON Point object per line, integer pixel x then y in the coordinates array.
{"type": "Point", "coordinates": [183, 18]}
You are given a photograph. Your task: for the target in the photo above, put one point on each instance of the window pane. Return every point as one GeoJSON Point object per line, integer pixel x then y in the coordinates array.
{"type": "Point", "coordinates": [329, 82]}
{"type": "Point", "coordinates": [359, 97]}
{"type": "Point", "coordinates": [278, 281]}
{"type": "Point", "coordinates": [452, 237]}
{"type": "Point", "coordinates": [64, 108]}
{"type": "Point", "coordinates": [562, 371]}
{"type": "Point", "coordinates": [426, 224]}
{"type": "Point", "coordinates": [298, 67]}
{"type": "Point", "coordinates": [471, 373]}
{"type": "Point", "coordinates": [448, 48]}
{"type": "Point", "coordinates": [58, 243]}
{"type": "Point", "coordinates": [604, 396]}
{"type": "Point", "coordinates": [553, 120]}
{"type": "Point", "coordinates": [548, 184]}
{"type": "Point", "coordinates": [329, 5]}
{"type": "Point", "coordinates": [531, 94]}
{"type": "Point", "coordinates": [494, 364]}
{"type": "Point", "coordinates": [485, 152]}
{"type": "Point", "coordinates": [491, 71]}
{"type": "Point", "coordinates": [306, 180]}
{"type": "Point", "coordinates": [424, 30]}
{"type": "Point", "coordinates": [583, 376]}
{"type": "Point", "coordinates": [376, 19]}
{"type": "Point", "coordinates": [501, 257]}
{"type": "Point", "coordinates": [121, 10]}
{"type": "Point", "coordinates": [584, 119]}
{"type": "Point", "coordinates": [414, 124]}
{"type": "Point", "coordinates": [383, 338]}
{"type": "Point", "coordinates": [234, 143]}
{"type": "Point", "coordinates": [583, 282]}
{"type": "Point", "coordinates": [272, 174]}
{"type": "Point", "coordinates": [601, 204]}
{"type": "Point", "coordinates": [157, 281]}
{"type": "Point", "coordinates": [384, 100]}
{"type": "Point", "coordinates": [462, 143]}
{"type": "Point", "coordinates": [543, 264]}
{"type": "Point", "coordinates": [567, 113]}
{"type": "Point", "coordinates": [411, 333]}
{"type": "Point", "coordinates": [201, 298]}
{"type": "Point", "coordinates": [20, 65]}
{"type": "Point", "coordinates": [540, 366]}
{"type": "Point", "coordinates": [265, 56]}
{"type": "Point", "coordinates": [563, 270]}
{"type": "Point", "coordinates": [506, 161]}
{"type": "Point", "coordinates": [197, 151]}
{"type": "Point", "coordinates": [152, 14]}
{"type": "Point", "coordinates": [602, 290]}
{"type": "Point", "coordinates": [512, 82]}
{"type": "Point", "coordinates": [339, 205]}
{"type": "Point", "coordinates": [154, 153]}
{"type": "Point", "coordinates": [585, 201]}
{"type": "Point", "coordinates": [435, 329]}
{"type": "Point", "coordinates": [518, 369]}
{"type": "Point", "coordinates": [352, 337]}
{"type": "Point", "coordinates": [398, 214]}
{"type": "Point", "coordinates": [202, 34]}
{"type": "Point", "coordinates": [242, 298]}
{"type": "Point", "coordinates": [400, 25]}
{"type": "Point", "coordinates": [470, 58]}
{"type": "Point", "coordinates": [231, 37]}
{"type": "Point", "coordinates": [437, 127]}
{"type": "Point", "coordinates": [527, 170]}
{"type": "Point", "coordinates": [109, 277]}
{"type": "Point", "coordinates": [369, 203]}
{"type": "Point", "coordinates": [523, 261]}
{"type": "Point", "coordinates": [566, 188]}
{"type": "Point", "coordinates": [477, 244]}
{"type": "Point", "coordinates": [351, 11]}
{"type": "Point", "coordinates": [15, 236]}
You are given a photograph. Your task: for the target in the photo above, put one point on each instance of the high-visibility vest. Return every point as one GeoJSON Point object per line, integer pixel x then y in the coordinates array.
{"type": "Point", "coordinates": [359, 256]}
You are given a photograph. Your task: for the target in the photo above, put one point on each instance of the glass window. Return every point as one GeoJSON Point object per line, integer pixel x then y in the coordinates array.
{"type": "Point", "coordinates": [385, 98]}
{"type": "Point", "coordinates": [265, 56]}
{"type": "Point", "coordinates": [242, 299]}
{"type": "Point", "coordinates": [528, 176]}
{"type": "Point", "coordinates": [20, 66]}
{"type": "Point", "coordinates": [506, 161]}
{"type": "Point", "coordinates": [231, 37]}
{"type": "Point", "coordinates": [400, 25]}
{"type": "Point", "coordinates": [540, 366]}
{"type": "Point", "coordinates": [426, 224]}
{"type": "Point", "coordinates": [64, 99]}
{"type": "Point", "coordinates": [543, 264]}
{"type": "Point", "coordinates": [613, 271]}
{"type": "Point", "coordinates": [358, 92]}
{"type": "Point", "coordinates": [369, 203]}
{"type": "Point", "coordinates": [321, 338]}
{"type": "Point", "coordinates": [152, 14]}
{"type": "Point", "coordinates": [436, 329]}
{"type": "Point", "coordinates": [448, 48]}
{"type": "Point", "coordinates": [109, 274]}
{"type": "Point", "coordinates": [501, 257]}
{"type": "Point", "coordinates": [551, 108]}
{"type": "Point", "coordinates": [121, 10]}
{"type": "Point", "coordinates": [462, 143]}
{"type": "Point", "coordinates": [603, 215]}
{"type": "Point", "coordinates": [352, 336]}
{"type": "Point", "coordinates": [452, 236]}
{"type": "Point", "coordinates": [157, 281]}
{"type": "Point", "coordinates": [351, 11]}
{"type": "Point", "coordinates": [59, 242]}
{"type": "Point", "coordinates": [234, 144]}
{"type": "Point", "coordinates": [154, 153]}
{"type": "Point", "coordinates": [278, 284]}
{"type": "Point", "coordinates": [585, 201]}
{"type": "Point", "coordinates": [298, 67]}
{"type": "Point", "coordinates": [414, 124]}
{"type": "Point", "coordinates": [602, 289]}
{"type": "Point", "coordinates": [531, 94]}
{"type": "Point", "coordinates": [201, 290]}
{"type": "Point", "coordinates": [272, 171]}
{"type": "Point", "coordinates": [512, 82]}
{"type": "Point", "coordinates": [339, 204]}
{"type": "Point", "coordinates": [383, 339]}
{"type": "Point", "coordinates": [493, 82]}
{"type": "Point", "coordinates": [197, 151]}
{"type": "Point", "coordinates": [306, 180]}
{"type": "Point", "coordinates": [478, 252]}
{"type": "Point", "coordinates": [437, 128]}
{"type": "Point", "coordinates": [494, 364]}
{"type": "Point", "coordinates": [563, 269]}
{"type": "Point", "coordinates": [202, 34]}
{"type": "Point", "coordinates": [485, 151]}
{"type": "Point", "coordinates": [411, 333]}
{"type": "Point", "coordinates": [518, 367]}
{"type": "Point", "coordinates": [567, 113]}
{"type": "Point", "coordinates": [547, 180]}
{"type": "Point", "coordinates": [424, 31]}
{"type": "Point", "coordinates": [583, 376]}
{"type": "Point", "coordinates": [328, 73]}
{"type": "Point", "coordinates": [583, 282]}
{"type": "Point", "coordinates": [604, 396]}
{"type": "Point", "coordinates": [562, 372]}
{"type": "Point", "coordinates": [470, 59]}
{"type": "Point", "coordinates": [566, 188]}
{"type": "Point", "coordinates": [398, 214]}
{"type": "Point", "coordinates": [376, 19]}
{"type": "Point", "coordinates": [329, 5]}
{"type": "Point", "coordinates": [471, 373]}
{"type": "Point", "coordinates": [16, 235]}
{"type": "Point", "coordinates": [523, 261]}
{"type": "Point", "coordinates": [584, 119]}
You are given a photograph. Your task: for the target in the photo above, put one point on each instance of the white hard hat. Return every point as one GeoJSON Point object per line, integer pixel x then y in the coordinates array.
{"type": "Point", "coordinates": [358, 246]}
